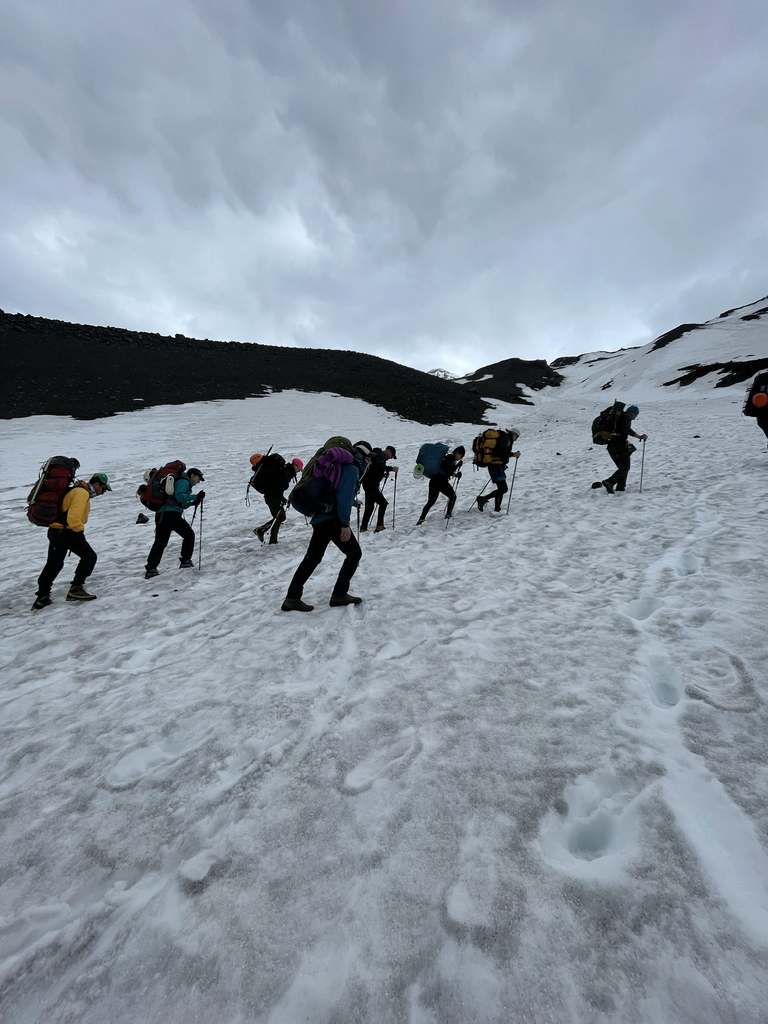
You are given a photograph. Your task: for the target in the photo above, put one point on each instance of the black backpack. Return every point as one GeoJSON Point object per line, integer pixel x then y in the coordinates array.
{"type": "Point", "coordinates": [606, 425]}
{"type": "Point", "coordinates": [269, 474]}
{"type": "Point", "coordinates": [756, 401]}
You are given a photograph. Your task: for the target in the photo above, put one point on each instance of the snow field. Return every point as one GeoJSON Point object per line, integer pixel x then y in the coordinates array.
{"type": "Point", "coordinates": [525, 780]}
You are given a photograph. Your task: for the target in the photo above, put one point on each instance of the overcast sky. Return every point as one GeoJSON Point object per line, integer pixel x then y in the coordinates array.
{"type": "Point", "coordinates": [442, 182]}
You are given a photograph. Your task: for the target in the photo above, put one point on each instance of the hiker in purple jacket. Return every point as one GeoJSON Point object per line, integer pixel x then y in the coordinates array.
{"type": "Point", "coordinates": [333, 526]}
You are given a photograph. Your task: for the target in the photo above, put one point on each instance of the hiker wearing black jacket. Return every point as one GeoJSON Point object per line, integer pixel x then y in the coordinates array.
{"type": "Point", "coordinates": [275, 487]}
{"type": "Point", "coordinates": [440, 483]}
{"type": "Point", "coordinates": [378, 471]}
{"type": "Point", "coordinates": [620, 450]}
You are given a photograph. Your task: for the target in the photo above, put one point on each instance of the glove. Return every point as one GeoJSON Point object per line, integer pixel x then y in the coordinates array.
{"type": "Point", "coordinates": [199, 497]}
{"type": "Point", "coordinates": [457, 475]}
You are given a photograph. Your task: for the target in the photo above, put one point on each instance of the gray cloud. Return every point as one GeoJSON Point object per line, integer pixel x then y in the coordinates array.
{"type": "Point", "coordinates": [443, 184]}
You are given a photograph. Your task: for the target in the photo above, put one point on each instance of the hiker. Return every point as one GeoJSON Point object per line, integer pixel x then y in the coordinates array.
{"type": "Point", "coordinates": [756, 403]}
{"type": "Point", "coordinates": [614, 427]}
{"type": "Point", "coordinates": [272, 477]}
{"type": "Point", "coordinates": [378, 471]}
{"type": "Point", "coordinates": [440, 482]}
{"type": "Point", "coordinates": [170, 519]}
{"type": "Point", "coordinates": [68, 534]}
{"type": "Point", "coordinates": [493, 450]}
{"type": "Point", "coordinates": [333, 479]}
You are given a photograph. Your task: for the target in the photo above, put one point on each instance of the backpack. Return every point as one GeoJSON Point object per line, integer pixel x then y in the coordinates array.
{"type": "Point", "coordinates": [429, 458]}
{"type": "Point", "coordinates": [756, 401]}
{"type": "Point", "coordinates": [267, 472]}
{"type": "Point", "coordinates": [606, 425]}
{"type": "Point", "coordinates": [493, 446]}
{"type": "Point", "coordinates": [44, 500]}
{"type": "Point", "coordinates": [315, 493]}
{"type": "Point", "coordinates": [159, 485]}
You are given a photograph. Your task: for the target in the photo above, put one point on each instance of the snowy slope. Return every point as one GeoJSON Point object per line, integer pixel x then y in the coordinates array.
{"type": "Point", "coordinates": [642, 373]}
{"type": "Point", "coordinates": [524, 781]}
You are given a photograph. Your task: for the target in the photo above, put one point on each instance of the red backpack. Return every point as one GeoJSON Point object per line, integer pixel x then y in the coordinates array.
{"type": "Point", "coordinates": [159, 485]}
{"type": "Point", "coordinates": [44, 500]}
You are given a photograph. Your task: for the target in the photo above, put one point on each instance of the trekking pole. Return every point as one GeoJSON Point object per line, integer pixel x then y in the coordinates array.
{"type": "Point", "coordinates": [455, 492]}
{"type": "Point", "coordinates": [514, 474]}
{"type": "Point", "coordinates": [200, 548]}
{"type": "Point", "coordinates": [478, 496]}
{"type": "Point", "coordinates": [642, 466]}
{"type": "Point", "coordinates": [358, 523]}
{"type": "Point", "coordinates": [394, 502]}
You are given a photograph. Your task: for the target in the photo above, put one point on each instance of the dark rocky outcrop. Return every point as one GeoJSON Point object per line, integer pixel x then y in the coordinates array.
{"type": "Point", "coordinates": [60, 368]}
{"type": "Point", "coordinates": [505, 378]}
{"type": "Point", "coordinates": [673, 335]}
{"type": "Point", "coordinates": [732, 372]}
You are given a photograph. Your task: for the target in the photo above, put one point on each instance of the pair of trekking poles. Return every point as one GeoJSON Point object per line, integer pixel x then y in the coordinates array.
{"type": "Point", "coordinates": [509, 499]}
{"type": "Point", "coordinates": [199, 505]}
{"type": "Point", "coordinates": [394, 504]}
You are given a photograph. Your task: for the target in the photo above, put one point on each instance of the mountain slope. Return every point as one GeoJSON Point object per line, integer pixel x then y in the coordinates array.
{"type": "Point", "coordinates": [725, 351]}
{"type": "Point", "coordinates": [87, 372]}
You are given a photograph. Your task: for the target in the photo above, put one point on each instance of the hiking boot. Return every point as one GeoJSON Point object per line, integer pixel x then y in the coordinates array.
{"type": "Point", "coordinates": [150, 573]}
{"type": "Point", "coordinates": [608, 486]}
{"type": "Point", "coordinates": [617, 488]}
{"type": "Point", "coordinates": [273, 540]}
{"type": "Point", "coordinates": [379, 528]}
{"type": "Point", "coordinates": [363, 529]}
{"type": "Point", "coordinates": [78, 593]}
{"type": "Point", "coordinates": [186, 563]}
{"type": "Point", "coordinates": [596, 484]}
{"type": "Point", "coordinates": [41, 601]}
{"type": "Point", "coordinates": [260, 531]}
{"type": "Point", "coordinates": [481, 504]}
{"type": "Point", "coordinates": [295, 604]}
{"type": "Point", "coordinates": [340, 600]}
{"type": "Point", "coordinates": [420, 522]}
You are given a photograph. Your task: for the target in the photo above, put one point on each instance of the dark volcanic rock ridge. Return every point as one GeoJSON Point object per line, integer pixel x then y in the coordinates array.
{"type": "Point", "coordinates": [57, 368]}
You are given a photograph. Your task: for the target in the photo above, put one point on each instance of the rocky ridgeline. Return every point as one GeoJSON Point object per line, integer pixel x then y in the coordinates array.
{"type": "Point", "coordinates": [57, 368]}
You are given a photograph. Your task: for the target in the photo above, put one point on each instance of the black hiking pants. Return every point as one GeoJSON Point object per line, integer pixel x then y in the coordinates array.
{"type": "Point", "coordinates": [60, 542]}
{"type": "Point", "coordinates": [274, 500]}
{"type": "Point", "coordinates": [497, 475]}
{"type": "Point", "coordinates": [167, 523]}
{"type": "Point", "coordinates": [439, 485]}
{"type": "Point", "coordinates": [621, 455]}
{"type": "Point", "coordinates": [762, 422]}
{"type": "Point", "coordinates": [373, 497]}
{"type": "Point", "coordinates": [322, 535]}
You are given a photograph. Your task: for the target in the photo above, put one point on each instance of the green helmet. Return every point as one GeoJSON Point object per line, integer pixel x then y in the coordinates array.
{"type": "Point", "coordinates": [103, 480]}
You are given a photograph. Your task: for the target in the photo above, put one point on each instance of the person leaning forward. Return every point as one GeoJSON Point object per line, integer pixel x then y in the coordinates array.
{"type": "Point", "coordinates": [333, 527]}
{"type": "Point", "coordinates": [69, 535]}
{"type": "Point", "coordinates": [170, 519]}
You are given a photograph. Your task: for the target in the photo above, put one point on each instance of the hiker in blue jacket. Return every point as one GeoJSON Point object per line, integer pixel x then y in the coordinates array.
{"type": "Point", "coordinates": [169, 519]}
{"type": "Point", "coordinates": [333, 527]}
{"type": "Point", "coordinates": [440, 483]}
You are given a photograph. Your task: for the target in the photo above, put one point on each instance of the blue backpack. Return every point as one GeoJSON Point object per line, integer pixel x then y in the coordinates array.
{"type": "Point", "coordinates": [429, 458]}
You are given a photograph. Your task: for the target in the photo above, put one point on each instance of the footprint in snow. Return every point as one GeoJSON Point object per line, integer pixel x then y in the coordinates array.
{"type": "Point", "coordinates": [594, 832]}
{"type": "Point", "coordinates": [688, 564]}
{"type": "Point", "coordinates": [663, 679]}
{"type": "Point", "coordinates": [643, 607]}
{"type": "Point", "coordinates": [138, 763]}
{"type": "Point", "coordinates": [389, 759]}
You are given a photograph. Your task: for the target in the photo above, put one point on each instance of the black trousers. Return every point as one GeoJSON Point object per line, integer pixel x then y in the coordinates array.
{"type": "Point", "coordinates": [374, 497]}
{"type": "Point", "coordinates": [322, 535]}
{"type": "Point", "coordinates": [621, 455]}
{"type": "Point", "coordinates": [274, 500]}
{"type": "Point", "coordinates": [439, 485]}
{"type": "Point", "coordinates": [501, 487]}
{"type": "Point", "coordinates": [762, 422]}
{"type": "Point", "coordinates": [167, 523]}
{"type": "Point", "coordinates": [60, 542]}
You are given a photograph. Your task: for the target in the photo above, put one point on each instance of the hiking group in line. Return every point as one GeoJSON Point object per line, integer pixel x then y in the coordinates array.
{"type": "Point", "coordinates": [324, 491]}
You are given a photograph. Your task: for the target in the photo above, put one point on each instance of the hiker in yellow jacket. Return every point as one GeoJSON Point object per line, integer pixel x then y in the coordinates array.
{"type": "Point", "coordinates": [69, 535]}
